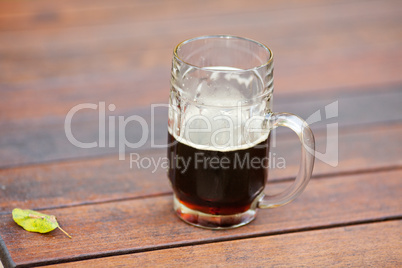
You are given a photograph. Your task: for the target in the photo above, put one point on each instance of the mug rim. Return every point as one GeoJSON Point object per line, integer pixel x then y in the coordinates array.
{"type": "Point", "coordinates": [177, 57]}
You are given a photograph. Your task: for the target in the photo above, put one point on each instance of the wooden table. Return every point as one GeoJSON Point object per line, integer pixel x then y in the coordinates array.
{"type": "Point", "coordinates": [55, 55]}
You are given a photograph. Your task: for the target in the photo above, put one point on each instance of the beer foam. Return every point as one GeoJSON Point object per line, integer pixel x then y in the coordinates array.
{"type": "Point", "coordinates": [210, 147]}
{"type": "Point", "coordinates": [214, 112]}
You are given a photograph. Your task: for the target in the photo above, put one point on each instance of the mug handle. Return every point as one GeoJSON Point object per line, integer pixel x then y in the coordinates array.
{"type": "Point", "coordinates": [301, 128]}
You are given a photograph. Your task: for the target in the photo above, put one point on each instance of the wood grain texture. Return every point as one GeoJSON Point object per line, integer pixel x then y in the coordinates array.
{"type": "Point", "coordinates": [32, 141]}
{"type": "Point", "coordinates": [353, 246]}
{"type": "Point", "coordinates": [57, 54]}
{"type": "Point", "coordinates": [149, 223]}
{"type": "Point", "coordinates": [134, 46]}
{"type": "Point", "coordinates": [120, 62]}
{"type": "Point", "coordinates": [107, 179]}
{"type": "Point", "coordinates": [44, 14]}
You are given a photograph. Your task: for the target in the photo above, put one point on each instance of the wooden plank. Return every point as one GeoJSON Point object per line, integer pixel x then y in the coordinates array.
{"type": "Point", "coordinates": [375, 16]}
{"type": "Point", "coordinates": [357, 245]}
{"type": "Point", "coordinates": [355, 13]}
{"type": "Point", "coordinates": [148, 224]}
{"type": "Point", "coordinates": [129, 80]}
{"type": "Point", "coordinates": [24, 15]}
{"type": "Point", "coordinates": [130, 88]}
{"type": "Point", "coordinates": [78, 52]}
{"type": "Point", "coordinates": [73, 54]}
{"type": "Point", "coordinates": [40, 70]}
{"type": "Point", "coordinates": [44, 139]}
{"type": "Point", "coordinates": [106, 179]}
{"type": "Point", "coordinates": [25, 8]}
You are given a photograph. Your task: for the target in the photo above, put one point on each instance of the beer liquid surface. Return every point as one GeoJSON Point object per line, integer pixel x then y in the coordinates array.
{"type": "Point", "coordinates": [217, 182]}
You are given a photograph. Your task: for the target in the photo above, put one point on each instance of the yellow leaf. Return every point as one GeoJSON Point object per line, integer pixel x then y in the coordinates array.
{"type": "Point", "coordinates": [34, 221]}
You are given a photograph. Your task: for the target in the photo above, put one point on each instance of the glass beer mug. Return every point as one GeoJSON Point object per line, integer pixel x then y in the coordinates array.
{"type": "Point", "coordinates": [220, 118]}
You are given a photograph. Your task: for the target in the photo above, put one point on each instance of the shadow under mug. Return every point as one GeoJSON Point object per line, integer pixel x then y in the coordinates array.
{"type": "Point", "coordinates": [220, 118]}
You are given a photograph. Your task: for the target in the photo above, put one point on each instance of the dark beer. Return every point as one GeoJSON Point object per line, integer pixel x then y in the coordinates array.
{"type": "Point", "coordinates": [217, 182]}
